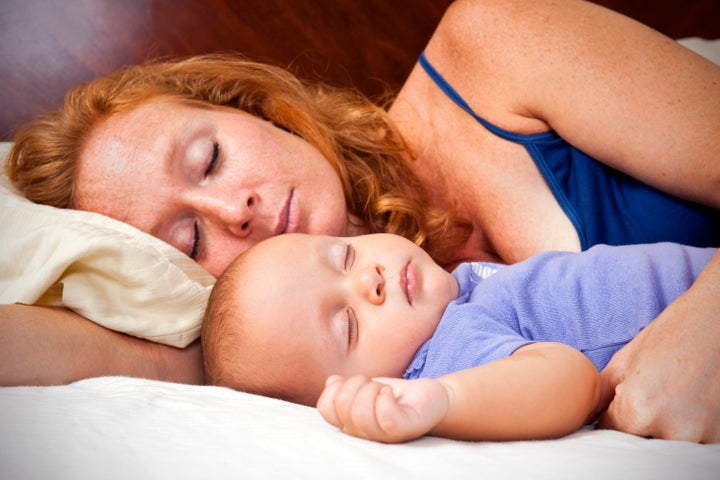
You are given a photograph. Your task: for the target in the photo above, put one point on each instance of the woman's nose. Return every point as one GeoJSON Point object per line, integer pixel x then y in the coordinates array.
{"type": "Point", "coordinates": [370, 282]}
{"type": "Point", "coordinates": [235, 213]}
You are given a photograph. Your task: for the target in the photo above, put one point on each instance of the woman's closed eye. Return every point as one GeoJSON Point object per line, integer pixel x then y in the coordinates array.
{"type": "Point", "coordinates": [212, 164]}
{"type": "Point", "coordinates": [196, 241]}
{"type": "Point", "coordinates": [211, 167]}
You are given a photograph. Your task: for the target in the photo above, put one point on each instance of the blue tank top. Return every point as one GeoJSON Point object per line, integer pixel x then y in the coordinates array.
{"type": "Point", "coordinates": [603, 204]}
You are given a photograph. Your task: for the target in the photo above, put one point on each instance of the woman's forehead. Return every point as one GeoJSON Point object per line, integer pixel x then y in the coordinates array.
{"type": "Point", "coordinates": [119, 166]}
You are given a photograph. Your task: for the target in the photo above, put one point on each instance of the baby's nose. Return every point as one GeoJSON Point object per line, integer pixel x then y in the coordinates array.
{"type": "Point", "coordinates": [372, 284]}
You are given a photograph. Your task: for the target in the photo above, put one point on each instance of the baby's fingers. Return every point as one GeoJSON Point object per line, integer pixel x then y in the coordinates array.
{"type": "Point", "coordinates": [353, 399]}
{"type": "Point", "coordinates": [337, 400]}
{"type": "Point", "coordinates": [362, 421]}
{"type": "Point", "coordinates": [349, 404]}
{"type": "Point", "coordinates": [326, 402]}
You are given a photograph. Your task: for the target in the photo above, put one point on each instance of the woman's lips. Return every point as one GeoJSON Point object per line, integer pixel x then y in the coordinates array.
{"type": "Point", "coordinates": [293, 218]}
{"type": "Point", "coordinates": [408, 282]}
{"type": "Point", "coordinates": [287, 221]}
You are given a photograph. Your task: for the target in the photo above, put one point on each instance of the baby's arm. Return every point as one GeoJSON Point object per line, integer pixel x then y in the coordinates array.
{"type": "Point", "coordinates": [543, 390]}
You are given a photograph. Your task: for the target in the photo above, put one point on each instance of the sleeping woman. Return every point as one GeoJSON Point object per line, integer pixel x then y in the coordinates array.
{"type": "Point", "coordinates": [555, 125]}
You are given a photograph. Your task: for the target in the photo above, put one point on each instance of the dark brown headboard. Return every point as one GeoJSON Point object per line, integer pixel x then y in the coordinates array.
{"type": "Point", "coordinates": [46, 47]}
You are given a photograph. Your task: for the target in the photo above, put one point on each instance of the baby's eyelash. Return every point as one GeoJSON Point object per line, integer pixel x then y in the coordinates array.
{"type": "Point", "coordinates": [352, 326]}
{"type": "Point", "coordinates": [349, 257]}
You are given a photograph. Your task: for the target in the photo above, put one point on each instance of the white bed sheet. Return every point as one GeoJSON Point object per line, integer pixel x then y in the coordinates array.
{"type": "Point", "coordinates": [123, 428]}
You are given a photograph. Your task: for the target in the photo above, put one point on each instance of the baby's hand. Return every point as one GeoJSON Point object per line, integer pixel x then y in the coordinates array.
{"type": "Point", "coordinates": [389, 410]}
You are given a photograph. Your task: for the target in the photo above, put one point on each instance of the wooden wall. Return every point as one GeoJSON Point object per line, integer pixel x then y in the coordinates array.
{"type": "Point", "coordinates": [48, 46]}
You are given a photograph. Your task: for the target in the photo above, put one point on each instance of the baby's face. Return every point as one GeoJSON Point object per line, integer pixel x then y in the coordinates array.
{"type": "Point", "coordinates": [352, 305]}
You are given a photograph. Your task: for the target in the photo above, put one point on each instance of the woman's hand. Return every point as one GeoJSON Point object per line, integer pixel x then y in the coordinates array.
{"type": "Point", "coordinates": [389, 410]}
{"type": "Point", "coordinates": [667, 380]}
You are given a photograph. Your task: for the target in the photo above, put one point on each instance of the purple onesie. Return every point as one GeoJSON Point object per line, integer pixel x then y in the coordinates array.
{"type": "Point", "coordinates": [595, 301]}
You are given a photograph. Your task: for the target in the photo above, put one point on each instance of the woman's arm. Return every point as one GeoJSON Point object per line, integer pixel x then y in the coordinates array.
{"type": "Point", "coordinates": [621, 92]}
{"type": "Point", "coordinates": [666, 380]}
{"type": "Point", "coordinates": [52, 346]}
{"type": "Point", "coordinates": [641, 103]}
{"type": "Point", "coordinates": [543, 390]}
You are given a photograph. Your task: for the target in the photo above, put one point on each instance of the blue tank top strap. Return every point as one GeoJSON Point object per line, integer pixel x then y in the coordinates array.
{"type": "Point", "coordinates": [459, 101]}
{"type": "Point", "coordinates": [604, 205]}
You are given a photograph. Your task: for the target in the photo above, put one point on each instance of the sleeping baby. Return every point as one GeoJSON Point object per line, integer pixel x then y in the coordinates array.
{"type": "Point", "coordinates": [390, 347]}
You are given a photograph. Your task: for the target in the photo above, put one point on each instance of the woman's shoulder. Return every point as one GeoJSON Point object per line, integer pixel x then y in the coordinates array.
{"type": "Point", "coordinates": [471, 23]}
{"type": "Point", "coordinates": [497, 53]}
{"type": "Point", "coordinates": [478, 17]}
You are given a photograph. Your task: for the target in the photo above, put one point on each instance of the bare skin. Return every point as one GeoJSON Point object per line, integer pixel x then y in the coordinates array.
{"type": "Point", "coordinates": [497, 401]}
{"type": "Point", "coordinates": [210, 182]}
{"type": "Point", "coordinates": [360, 309]}
{"type": "Point", "coordinates": [490, 52]}
{"type": "Point", "coordinates": [575, 68]}
{"type": "Point", "coordinates": [90, 350]}
{"type": "Point", "coordinates": [490, 60]}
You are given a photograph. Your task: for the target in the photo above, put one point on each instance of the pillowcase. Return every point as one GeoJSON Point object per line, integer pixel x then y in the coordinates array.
{"type": "Point", "coordinates": [103, 269]}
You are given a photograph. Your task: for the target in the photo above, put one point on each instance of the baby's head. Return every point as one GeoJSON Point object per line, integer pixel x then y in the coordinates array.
{"type": "Point", "coordinates": [295, 309]}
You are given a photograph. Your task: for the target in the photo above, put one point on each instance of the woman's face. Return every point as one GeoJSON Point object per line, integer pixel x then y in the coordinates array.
{"type": "Point", "coordinates": [210, 182]}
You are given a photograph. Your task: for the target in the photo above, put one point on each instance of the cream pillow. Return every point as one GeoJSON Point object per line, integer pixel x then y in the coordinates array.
{"type": "Point", "coordinates": [103, 269]}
